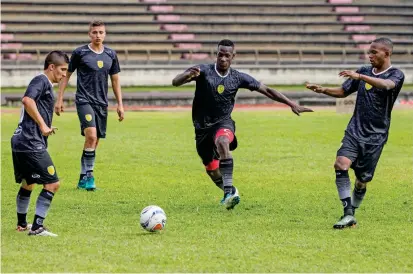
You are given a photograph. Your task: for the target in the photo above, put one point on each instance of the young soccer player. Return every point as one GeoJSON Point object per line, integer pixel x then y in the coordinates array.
{"type": "Point", "coordinates": [31, 161]}
{"type": "Point", "coordinates": [216, 87]}
{"type": "Point", "coordinates": [378, 86]}
{"type": "Point", "coordinates": [93, 62]}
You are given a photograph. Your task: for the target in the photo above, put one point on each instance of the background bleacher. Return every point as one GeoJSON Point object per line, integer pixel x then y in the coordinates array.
{"type": "Point", "coordinates": [184, 31]}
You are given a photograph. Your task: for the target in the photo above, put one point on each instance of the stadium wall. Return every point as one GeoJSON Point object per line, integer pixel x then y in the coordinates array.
{"type": "Point", "coordinates": [163, 75]}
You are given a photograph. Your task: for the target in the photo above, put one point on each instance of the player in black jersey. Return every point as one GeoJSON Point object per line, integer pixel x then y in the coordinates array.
{"type": "Point", "coordinates": [94, 63]}
{"type": "Point", "coordinates": [377, 87]}
{"type": "Point", "coordinates": [216, 87]}
{"type": "Point", "coordinates": [31, 161]}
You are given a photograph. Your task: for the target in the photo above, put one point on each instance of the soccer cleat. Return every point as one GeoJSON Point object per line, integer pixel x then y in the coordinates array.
{"type": "Point", "coordinates": [41, 231]}
{"type": "Point", "coordinates": [82, 183]}
{"type": "Point", "coordinates": [20, 228]}
{"type": "Point", "coordinates": [345, 221]}
{"type": "Point", "coordinates": [231, 200]}
{"type": "Point", "coordinates": [90, 184]}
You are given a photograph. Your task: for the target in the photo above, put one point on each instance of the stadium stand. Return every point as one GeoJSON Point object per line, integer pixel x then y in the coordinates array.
{"type": "Point", "coordinates": [184, 31]}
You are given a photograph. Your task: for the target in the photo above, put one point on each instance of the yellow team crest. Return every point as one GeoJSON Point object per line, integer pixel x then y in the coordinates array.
{"type": "Point", "coordinates": [88, 117]}
{"type": "Point", "coordinates": [100, 64]}
{"type": "Point", "coordinates": [220, 89]}
{"type": "Point", "coordinates": [51, 170]}
{"type": "Point", "coordinates": [367, 86]}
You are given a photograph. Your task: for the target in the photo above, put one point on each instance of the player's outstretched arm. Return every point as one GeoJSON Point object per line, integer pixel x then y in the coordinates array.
{"type": "Point", "coordinates": [62, 86]}
{"type": "Point", "coordinates": [375, 82]}
{"type": "Point", "coordinates": [31, 108]}
{"type": "Point", "coordinates": [114, 78]}
{"type": "Point", "coordinates": [186, 77]}
{"type": "Point", "coordinates": [337, 92]}
{"type": "Point", "coordinates": [279, 97]}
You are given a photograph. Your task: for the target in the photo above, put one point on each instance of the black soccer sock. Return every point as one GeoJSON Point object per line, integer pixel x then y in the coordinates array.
{"type": "Point", "coordinates": [344, 190]}
{"type": "Point", "coordinates": [42, 207]}
{"type": "Point", "coordinates": [358, 196]}
{"type": "Point", "coordinates": [219, 182]}
{"type": "Point", "coordinates": [22, 204]}
{"type": "Point", "coordinates": [226, 167]}
{"type": "Point", "coordinates": [88, 162]}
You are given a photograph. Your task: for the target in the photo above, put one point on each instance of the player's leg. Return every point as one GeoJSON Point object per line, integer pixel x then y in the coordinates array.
{"type": "Point", "coordinates": [40, 164]}
{"type": "Point", "coordinates": [223, 138]}
{"type": "Point", "coordinates": [213, 172]}
{"type": "Point", "coordinates": [21, 172]}
{"type": "Point", "coordinates": [87, 118]}
{"type": "Point", "coordinates": [364, 170]}
{"type": "Point", "coordinates": [346, 155]}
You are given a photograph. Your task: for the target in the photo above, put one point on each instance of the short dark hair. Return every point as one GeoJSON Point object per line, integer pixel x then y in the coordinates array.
{"type": "Point", "coordinates": [226, 43]}
{"type": "Point", "coordinates": [96, 23]}
{"type": "Point", "coordinates": [56, 58]}
{"type": "Point", "coordinates": [384, 41]}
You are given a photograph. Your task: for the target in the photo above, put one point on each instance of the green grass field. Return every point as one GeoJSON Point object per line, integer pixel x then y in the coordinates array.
{"type": "Point", "coordinates": [283, 169]}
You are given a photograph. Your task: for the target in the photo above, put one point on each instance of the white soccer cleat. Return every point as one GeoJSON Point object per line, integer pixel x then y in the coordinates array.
{"type": "Point", "coordinates": [41, 231]}
{"type": "Point", "coordinates": [231, 200]}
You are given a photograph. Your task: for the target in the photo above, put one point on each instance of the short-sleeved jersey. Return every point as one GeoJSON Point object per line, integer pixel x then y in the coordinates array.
{"type": "Point", "coordinates": [92, 74]}
{"type": "Point", "coordinates": [215, 94]}
{"type": "Point", "coordinates": [28, 137]}
{"type": "Point", "coordinates": [370, 122]}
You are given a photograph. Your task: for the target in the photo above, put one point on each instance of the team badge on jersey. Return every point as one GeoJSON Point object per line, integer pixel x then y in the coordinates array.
{"type": "Point", "coordinates": [51, 170]}
{"type": "Point", "coordinates": [88, 117]}
{"type": "Point", "coordinates": [367, 86]}
{"type": "Point", "coordinates": [220, 89]}
{"type": "Point", "coordinates": [100, 64]}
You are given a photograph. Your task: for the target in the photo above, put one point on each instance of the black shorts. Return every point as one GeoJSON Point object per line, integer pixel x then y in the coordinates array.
{"type": "Point", "coordinates": [205, 143]}
{"type": "Point", "coordinates": [364, 157]}
{"type": "Point", "coordinates": [93, 116]}
{"type": "Point", "coordinates": [34, 167]}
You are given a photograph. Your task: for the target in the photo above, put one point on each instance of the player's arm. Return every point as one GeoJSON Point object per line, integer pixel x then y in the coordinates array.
{"type": "Point", "coordinates": [118, 94]}
{"type": "Point", "coordinates": [62, 86]}
{"type": "Point", "coordinates": [386, 84]}
{"type": "Point", "coordinates": [337, 92]}
{"type": "Point", "coordinates": [279, 97]}
{"type": "Point", "coordinates": [31, 108]}
{"type": "Point", "coordinates": [186, 77]}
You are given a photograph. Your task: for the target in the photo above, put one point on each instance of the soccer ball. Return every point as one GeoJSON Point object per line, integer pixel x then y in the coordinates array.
{"type": "Point", "coordinates": [153, 218]}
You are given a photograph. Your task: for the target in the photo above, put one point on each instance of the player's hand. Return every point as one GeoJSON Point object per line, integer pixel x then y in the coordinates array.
{"type": "Point", "coordinates": [350, 74]}
{"type": "Point", "coordinates": [47, 131]}
{"type": "Point", "coordinates": [297, 109]}
{"type": "Point", "coordinates": [121, 113]}
{"type": "Point", "coordinates": [193, 72]}
{"type": "Point", "coordinates": [58, 108]}
{"type": "Point", "coordinates": [316, 88]}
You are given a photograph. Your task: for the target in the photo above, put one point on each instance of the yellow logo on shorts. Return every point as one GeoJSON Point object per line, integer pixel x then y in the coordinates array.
{"type": "Point", "coordinates": [367, 86]}
{"type": "Point", "coordinates": [100, 64]}
{"type": "Point", "coordinates": [88, 117]}
{"type": "Point", "coordinates": [220, 89]}
{"type": "Point", "coordinates": [51, 170]}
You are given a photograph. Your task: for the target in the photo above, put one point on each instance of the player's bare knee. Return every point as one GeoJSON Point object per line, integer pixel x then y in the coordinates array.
{"type": "Point", "coordinates": [27, 186]}
{"type": "Point", "coordinates": [91, 141]}
{"type": "Point", "coordinates": [342, 163]}
{"type": "Point", "coordinates": [361, 185]}
{"type": "Point", "coordinates": [54, 187]}
{"type": "Point", "coordinates": [222, 144]}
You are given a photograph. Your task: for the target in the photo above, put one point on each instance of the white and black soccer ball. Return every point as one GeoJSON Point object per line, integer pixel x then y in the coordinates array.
{"type": "Point", "coordinates": [153, 218]}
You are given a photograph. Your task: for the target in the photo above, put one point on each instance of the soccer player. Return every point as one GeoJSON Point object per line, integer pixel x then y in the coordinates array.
{"type": "Point", "coordinates": [31, 161]}
{"type": "Point", "coordinates": [216, 87]}
{"type": "Point", "coordinates": [94, 62]}
{"type": "Point", "coordinates": [378, 86]}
